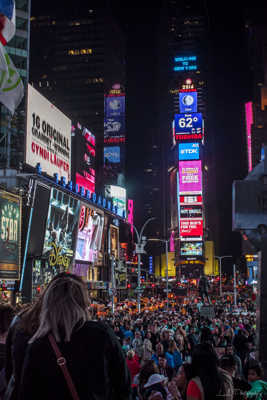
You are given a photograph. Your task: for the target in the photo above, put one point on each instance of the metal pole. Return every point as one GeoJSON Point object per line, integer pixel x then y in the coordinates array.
{"type": "Point", "coordinates": [8, 140]}
{"type": "Point", "coordinates": [167, 273]}
{"type": "Point", "coordinates": [139, 281]}
{"type": "Point", "coordinates": [220, 266]}
{"type": "Point", "coordinates": [234, 272]}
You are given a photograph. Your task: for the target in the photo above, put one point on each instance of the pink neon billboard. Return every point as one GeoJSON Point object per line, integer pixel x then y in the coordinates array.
{"type": "Point", "coordinates": [130, 213]}
{"type": "Point", "coordinates": [190, 177]}
{"type": "Point", "coordinates": [249, 122]}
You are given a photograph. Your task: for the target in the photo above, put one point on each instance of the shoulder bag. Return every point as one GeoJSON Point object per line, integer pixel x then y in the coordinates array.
{"type": "Point", "coordinates": [62, 363]}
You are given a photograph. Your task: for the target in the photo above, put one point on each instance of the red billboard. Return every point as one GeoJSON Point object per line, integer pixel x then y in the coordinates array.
{"type": "Point", "coordinates": [191, 227]}
{"type": "Point", "coordinates": [191, 200]}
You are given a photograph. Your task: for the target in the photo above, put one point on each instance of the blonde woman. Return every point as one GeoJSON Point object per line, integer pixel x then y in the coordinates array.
{"type": "Point", "coordinates": [89, 350]}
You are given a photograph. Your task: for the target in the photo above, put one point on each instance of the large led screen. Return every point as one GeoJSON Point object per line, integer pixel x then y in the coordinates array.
{"type": "Point", "coordinates": [84, 157]}
{"type": "Point", "coordinates": [188, 151]}
{"type": "Point", "coordinates": [112, 155]}
{"type": "Point", "coordinates": [48, 138]}
{"type": "Point", "coordinates": [191, 227]}
{"type": "Point", "coordinates": [114, 106]}
{"type": "Point", "coordinates": [118, 196]}
{"type": "Point", "coordinates": [61, 230]}
{"type": "Point", "coordinates": [192, 200]}
{"type": "Point", "coordinates": [188, 249]}
{"type": "Point", "coordinates": [10, 240]}
{"type": "Point", "coordinates": [190, 177]}
{"type": "Point", "coordinates": [190, 211]}
{"type": "Point", "coordinates": [188, 102]}
{"type": "Point", "coordinates": [114, 127]}
{"type": "Point", "coordinates": [188, 126]}
{"type": "Point", "coordinates": [90, 233]}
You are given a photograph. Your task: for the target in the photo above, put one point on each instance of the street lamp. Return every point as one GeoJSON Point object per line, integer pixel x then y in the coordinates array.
{"type": "Point", "coordinates": [220, 269]}
{"type": "Point", "coordinates": [166, 241]}
{"type": "Point", "coordinates": [141, 242]}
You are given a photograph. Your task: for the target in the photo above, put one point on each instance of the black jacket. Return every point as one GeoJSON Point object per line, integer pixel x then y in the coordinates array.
{"type": "Point", "coordinates": [95, 361]}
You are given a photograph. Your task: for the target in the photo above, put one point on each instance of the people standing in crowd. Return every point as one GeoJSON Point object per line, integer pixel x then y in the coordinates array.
{"type": "Point", "coordinates": [258, 389]}
{"type": "Point", "coordinates": [89, 349]}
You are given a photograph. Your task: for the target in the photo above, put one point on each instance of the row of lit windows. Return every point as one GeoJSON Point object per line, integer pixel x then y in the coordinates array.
{"type": "Point", "coordinates": [79, 52]}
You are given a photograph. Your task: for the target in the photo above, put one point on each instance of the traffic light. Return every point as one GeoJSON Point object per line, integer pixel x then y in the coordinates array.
{"type": "Point", "coordinates": [153, 285]}
{"type": "Point", "coordinates": [128, 286]}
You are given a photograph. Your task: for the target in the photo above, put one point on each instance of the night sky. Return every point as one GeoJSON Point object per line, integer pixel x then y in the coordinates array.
{"type": "Point", "coordinates": [229, 88]}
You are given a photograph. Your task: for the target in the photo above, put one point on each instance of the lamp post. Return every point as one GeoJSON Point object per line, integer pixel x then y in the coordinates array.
{"type": "Point", "coordinates": [220, 269]}
{"type": "Point", "coordinates": [140, 250]}
{"type": "Point", "coordinates": [166, 241]}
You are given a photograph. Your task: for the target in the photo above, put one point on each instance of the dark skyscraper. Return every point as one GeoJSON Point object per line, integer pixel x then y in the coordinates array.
{"type": "Point", "coordinates": [75, 59]}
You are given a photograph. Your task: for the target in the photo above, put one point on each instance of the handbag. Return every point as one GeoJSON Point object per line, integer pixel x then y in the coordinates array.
{"type": "Point", "coordinates": [62, 363]}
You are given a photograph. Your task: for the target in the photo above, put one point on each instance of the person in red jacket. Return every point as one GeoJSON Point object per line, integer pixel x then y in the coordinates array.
{"type": "Point", "coordinates": [132, 363]}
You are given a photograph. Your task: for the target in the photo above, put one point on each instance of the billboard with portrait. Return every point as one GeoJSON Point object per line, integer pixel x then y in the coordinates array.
{"type": "Point", "coordinates": [188, 102]}
{"type": "Point", "coordinates": [10, 235]}
{"type": "Point", "coordinates": [188, 249]}
{"type": "Point", "coordinates": [48, 136]}
{"type": "Point", "coordinates": [89, 239]}
{"type": "Point", "coordinates": [190, 177]}
{"type": "Point", "coordinates": [83, 157]}
{"type": "Point", "coordinates": [114, 241]}
{"type": "Point", "coordinates": [61, 230]}
{"type": "Point", "coordinates": [188, 151]}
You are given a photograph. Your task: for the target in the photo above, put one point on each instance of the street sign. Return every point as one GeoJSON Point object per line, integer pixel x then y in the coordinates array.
{"type": "Point", "coordinates": [139, 248]}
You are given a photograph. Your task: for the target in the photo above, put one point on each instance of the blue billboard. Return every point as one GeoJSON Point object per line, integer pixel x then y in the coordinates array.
{"type": "Point", "coordinates": [188, 123]}
{"type": "Point", "coordinates": [114, 106]}
{"type": "Point", "coordinates": [112, 154]}
{"type": "Point", "coordinates": [188, 151]}
{"type": "Point", "coordinates": [188, 102]}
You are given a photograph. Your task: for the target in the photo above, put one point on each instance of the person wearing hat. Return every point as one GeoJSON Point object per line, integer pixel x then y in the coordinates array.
{"type": "Point", "coordinates": [155, 388]}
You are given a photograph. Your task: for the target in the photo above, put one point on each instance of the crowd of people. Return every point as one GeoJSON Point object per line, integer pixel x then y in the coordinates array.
{"type": "Point", "coordinates": [56, 349]}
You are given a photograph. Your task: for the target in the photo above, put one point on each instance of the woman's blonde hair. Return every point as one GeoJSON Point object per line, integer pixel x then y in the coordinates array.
{"type": "Point", "coordinates": [65, 303]}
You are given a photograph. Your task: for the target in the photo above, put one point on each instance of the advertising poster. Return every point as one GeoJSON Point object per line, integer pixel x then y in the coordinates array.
{"type": "Point", "coordinates": [188, 249]}
{"type": "Point", "coordinates": [10, 236]}
{"type": "Point", "coordinates": [188, 126]}
{"type": "Point", "coordinates": [84, 157]}
{"type": "Point", "coordinates": [188, 151]}
{"type": "Point", "coordinates": [191, 227]}
{"type": "Point", "coordinates": [90, 233]}
{"type": "Point", "coordinates": [190, 211]}
{"type": "Point", "coordinates": [121, 275]}
{"type": "Point", "coordinates": [61, 230]}
{"type": "Point", "coordinates": [114, 241]}
{"type": "Point", "coordinates": [188, 102]}
{"type": "Point", "coordinates": [118, 196]}
{"type": "Point", "coordinates": [190, 177]}
{"type": "Point", "coordinates": [185, 63]}
{"type": "Point", "coordinates": [192, 200]}
{"type": "Point", "coordinates": [114, 127]}
{"type": "Point", "coordinates": [48, 138]}
{"type": "Point", "coordinates": [114, 106]}
{"type": "Point", "coordinates": [112, 155]}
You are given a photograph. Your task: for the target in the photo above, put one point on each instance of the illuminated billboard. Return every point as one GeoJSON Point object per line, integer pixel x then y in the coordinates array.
{"type": "Point", "coordinates": [188, 151]}
{"type": "Point", "coordinates": [114, 127]}
{"type": "Point", "coordinates": [188, 249]}
{"type": "Point", "coordinates": [249, 123]}
{"type": "Point", "coordinates": [188, 102]}
{"type": "Point", "coordinates": [118, 196]}
{"type": "Point", "coordinates": [10, 236]}
{"type": "Point", "coordinates": [48, 138]}
{"type": "Point", "coordinates": [61, 230]}
{"type": "Point", "coordinates": [114, 106]}
{"type": "Point", "coordinates": [190, 177]}
{"type": "Point", "coordinates": [190, 211]}
{"type": "Point", "coordinates": [185, 63]}
{"type": "Point", "coordinates": [191, 227]}
{"type": "Point", "coordinates": [112, 154]}
{"type": "Point", "coordinates": [188, 126]}
{"type": "Point", "coordinates": [90, 232]}
{"type": "Point", "coordinates": [84, 157]}
{"type": "Point", "coordinates": [192, 200]}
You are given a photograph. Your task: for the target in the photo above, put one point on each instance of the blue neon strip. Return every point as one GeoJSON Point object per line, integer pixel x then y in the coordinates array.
{"type": "Point", "coordinates": [26, 250]}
